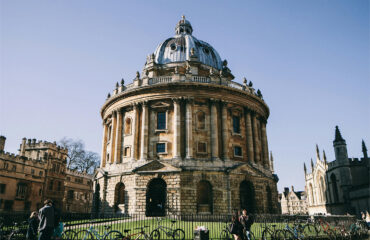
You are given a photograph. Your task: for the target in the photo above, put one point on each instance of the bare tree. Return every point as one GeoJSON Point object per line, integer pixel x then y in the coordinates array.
{"type": "Point", "coordinates": [78, 158]}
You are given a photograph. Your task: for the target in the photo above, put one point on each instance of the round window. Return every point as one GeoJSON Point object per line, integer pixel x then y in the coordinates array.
{"type": "Point", "coordinates": [206, 50]}
{"type": "Point", "coordinates": [173, 46]}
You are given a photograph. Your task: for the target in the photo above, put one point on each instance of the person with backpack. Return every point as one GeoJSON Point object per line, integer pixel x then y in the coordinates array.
{"type": "Point", "coordinates": [46, 217]}
{"type": "Point", "coordinates": [246, 221]}
{"type": "Point", "coordinates": [235, 228]}
{"type": "Point", "coordinates": [33, 223]}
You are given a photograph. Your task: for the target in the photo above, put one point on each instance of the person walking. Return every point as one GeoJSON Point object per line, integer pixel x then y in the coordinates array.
{"type": "Point", "coordinates": [46, 217]}
{"type": "Point", "coordinates": [246, 221]}
{"type": "Point", "coordinates": [33, 223]}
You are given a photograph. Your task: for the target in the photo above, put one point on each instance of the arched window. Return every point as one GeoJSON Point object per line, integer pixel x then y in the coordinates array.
{"type": "Point", "coordinates": [322, 186]}
{"type": "Point", "coordinates": [127, 126]}
{"type": "Point", "coordinates": [201, 120]}
{"type": "Point", "coordinates": [334, 187]}
{"type": "Point", "coordinates": [204, 197]}
{"type": "Point", "coordinates": [311, 194]}
{"type": "Point", "coordinates": [156, 196]}
{"type": "Point", "coordinates": [247, 196]}
{"type": "Point", "coordinates": [119, 194]}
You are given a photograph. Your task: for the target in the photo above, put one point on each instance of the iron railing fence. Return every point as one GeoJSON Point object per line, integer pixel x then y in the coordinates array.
{"type": "Point", "coordinates": [187, 222]}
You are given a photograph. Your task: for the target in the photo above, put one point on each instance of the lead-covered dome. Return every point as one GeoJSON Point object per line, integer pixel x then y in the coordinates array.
{"type": "Point", "coordinates": [184, 46]}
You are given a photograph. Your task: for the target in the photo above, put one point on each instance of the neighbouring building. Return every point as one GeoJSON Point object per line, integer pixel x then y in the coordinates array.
{"type": "Point", "coordinates": [38, 173]}
{"type": "Point", "coordinates": [185, 138]}
{"type": "Point", "coordinates": [293, 202]}
{"type": "Point", "coordinates": [341, 186]}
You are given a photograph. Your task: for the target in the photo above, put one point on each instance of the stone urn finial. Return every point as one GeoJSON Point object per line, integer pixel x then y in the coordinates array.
{"type": "Point", "coordinates": [122, 82]}
{"type": "Point", "coordinates": [137, 75]}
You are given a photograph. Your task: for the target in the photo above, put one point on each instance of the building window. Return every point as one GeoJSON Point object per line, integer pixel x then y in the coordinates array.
{"type": "Point", "coordinates": [21, 190]}
{"type": "Point", "coordinates": [238, 151]}
{"type": "Point", "coordinates": [161, 120]}
{"type": "Point", "coordinates": [51, 183]}
{"type": "Point", "coordinates": [161, 148]}
{"type": "Point", "coordinates": [59, 186]}
{"type": "Point", "coordinates": [5, 165]}
{"type": "Point", "coordinates": [127, 152]}
{"type": "Point", "coordinates": [2, 188]}
{"type": "Point", "coordinates": [204, 197]}
{"type": "Point", "coordinates": [236, 124]}
{"type": "Point", "coordinates": [119, 194]}
{"type": "Point", "coordinates": [40, 173]}
{"type": "Point", "coordinates": [202, 147]}
{"type": "Point", "coordinates": [128, 126]}
{"type": "Point", "coordinates": [68, 178]}
{"type": "Point", "coordinates": [8, 204]}
{"type": "Point", "coordinates": [201, 120]}
{"type": "Point", "coordinates": [32, 171]}
{"type": "Point", "coordinates": [70, 194]}
{"type": "Point", "coordinates": [14, 168]}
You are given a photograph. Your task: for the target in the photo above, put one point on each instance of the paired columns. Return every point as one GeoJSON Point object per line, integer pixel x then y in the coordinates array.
{"type": "Point", "coordinates": [113, 136]}
{"type": "Point", "coordinates": [225, 132]}
{"type": "Point", "coordinates": [134, 131]}
{"type": "Point", "coordinates": [214, 130]}
{"type": "Point", "coordinates": [189, 129]}
{"type": "Point", "coordinates": [118, 142]}
{"type": "Point", "coordinates": [104, 145]}
{"type": "Point", "coordinates": [249, 136]}
{"type": "Point", "coordinates": [144, 132]}
{"type": "Point", "coordinates": [176, 129]}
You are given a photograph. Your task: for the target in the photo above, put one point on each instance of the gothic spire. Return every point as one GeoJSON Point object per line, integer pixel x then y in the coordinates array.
{"type": "Point", "coordinates": [324, 156]}
{"type": "Point", "coordinates": [311, 165]}
{"type": "Point", "coordinates": [317, 152]}
{"type": "Point", "coordinates": [364, 149]}
{"type": "Point", "coordinates": [338, 135]}
{"type": "Point", "coordinates": [271, 162]}
{"type": "Point", "coordinates": [304, 168]}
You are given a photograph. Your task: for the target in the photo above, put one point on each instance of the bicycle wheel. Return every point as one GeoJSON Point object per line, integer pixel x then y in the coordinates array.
{"type": "Point", "coordinates": [69, 235]}
{"type": "Point", "coordinates": [280, 235]}
{"type": "Point", "coordinates": [224, 235]}
{"type": "Point", "coordinates": [331, 234]}
{"type": "Point", "coordinates": [155, 234]}
{"type": "Point", "coordinates": [114, 235]}
{"type": "Point", "coordinates": [310, 231]}
{"type": "Point", "coordinates": [178, 234]}
{"type": "Point", "coordinates": [16, 236]}
{"type": "Point", "coordinates": [288, 235]}
{"type": "Point", "coordinates": [267, 235]}
{"type": "Point", "coordinates": [84, 235]}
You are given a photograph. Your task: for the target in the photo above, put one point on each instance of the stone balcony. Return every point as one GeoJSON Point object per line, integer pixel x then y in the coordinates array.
{"type": "Point", "coordinates": [177, 78]}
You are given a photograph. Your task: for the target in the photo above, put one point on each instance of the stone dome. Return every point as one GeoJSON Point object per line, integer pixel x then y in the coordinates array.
{"type": "Point", "coordinates": [184, 45]}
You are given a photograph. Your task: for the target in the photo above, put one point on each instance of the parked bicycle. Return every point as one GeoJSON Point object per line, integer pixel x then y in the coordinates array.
{"type": "Point", "coordinates": [294, 232]}
{"type": "Point", "coordinates": [176, 234]}
{"type": "Point", "coordinates": [268, 233]}
{"type": "Point", "coordinates": [139, 235]}
{"type": "Point", "coordinates": [68, 234]}
{"type": "Point", "coordinates": [225, 232]}
{"type": "Point", "coordinates": [19, 231]}
{"type": "Point", "coordinates": [91, 233]}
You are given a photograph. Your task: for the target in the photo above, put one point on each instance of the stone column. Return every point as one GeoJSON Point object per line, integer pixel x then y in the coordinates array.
{"type": "Point", "coordinates": [144, 132]}
{"type": "Point", "coordinates": [104, 145]}
{"type": "Point", "coordinates": [249, 134]}
{"type": "Point", "coordinates": [113, 138]}
{"type": "Point", "coordinates": [176, 129]}
{"type": "Point", "coordinates": [225, 132]}
{"type": "Point", "coordinates": [256, 142]}
{"type": "Point", "coordinates": [134, 130]}
{"type": "Point", "coordinates": [189, 128]}
{"type": "Point", "coordinates": [214, 130]}
{"type": "Point", "coordinates": [265, 144]}
{"type": "Point", "coordinates": [117, 151]}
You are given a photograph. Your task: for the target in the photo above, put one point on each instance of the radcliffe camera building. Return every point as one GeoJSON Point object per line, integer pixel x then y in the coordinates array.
{"type": "Point", "coordinates": [340, 186]}
{"type": "Point", "coordinates": [185, 138]}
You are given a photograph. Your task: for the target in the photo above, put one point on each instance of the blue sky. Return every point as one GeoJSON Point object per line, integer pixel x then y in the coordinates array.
{"type": "Point", "coordinates": [59, 59]}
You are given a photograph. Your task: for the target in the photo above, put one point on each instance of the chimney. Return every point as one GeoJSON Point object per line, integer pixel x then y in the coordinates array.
{"type": "Point", "coordinates": [292, 189]}
{"type": "Point", "coordinates": [23, 147]}
{"type": "Point", "coordinates": [2, 143]}
{"type": "Point", "coordinates": [286, 190]}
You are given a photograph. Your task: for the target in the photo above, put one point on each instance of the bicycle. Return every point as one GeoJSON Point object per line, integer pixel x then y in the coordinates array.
{"type": "Point", "coordinates": [291, 233]}
{"type": "Point", "coordinates": [68, 234]}
{"type": "Point", "coordinates": [176, 234]}
{"type": "Point", "coordinates": [91, 233]}
{"type": "Point", "coordinates": [325, 226]}
{"type": "Point", "coordinates": [18, 232]}
{"type": "Point", "coordinates": [225, 233]}
{"type": "Point", "coordinates": [141, 235]}
{"type": "Point", "coordinates": [268, 233]}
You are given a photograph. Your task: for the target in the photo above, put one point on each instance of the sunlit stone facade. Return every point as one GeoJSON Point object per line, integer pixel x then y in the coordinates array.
{"type": "Point", "coordinates": [183, 137]}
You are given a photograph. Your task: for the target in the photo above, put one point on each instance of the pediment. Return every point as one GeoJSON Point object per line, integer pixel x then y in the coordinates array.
{"type": "Point", "coordinates": [160, 105]}
{"type": "Point", "coordinates": [246, 169]}
{"type": "Point", "coordinates": [99, 173]}
{"type": "Point", "coordinates": [155, 167]}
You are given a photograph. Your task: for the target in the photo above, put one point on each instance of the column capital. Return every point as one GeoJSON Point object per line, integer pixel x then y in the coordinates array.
{"type": "Point", "coordinates": [177, 99]}
{"type": "Point", "coordinates": [134, 105]}
{"type": "Point", "coordinates": [214, 100]}
{"type": "Point", "coordinates": [189, 99]}
{"type": "Point", "coordinates": [224, 102]}
{"type": "Point", "coordinates": [144, 103]}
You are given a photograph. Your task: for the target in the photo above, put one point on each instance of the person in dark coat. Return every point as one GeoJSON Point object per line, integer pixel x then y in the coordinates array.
{"type": "Point", "coordinates": [236, 229]}
{"type": "Point", "coordinates": [33, 223]}
{"type": "Point", "coordinates": [246, 221]}
{"type": "Point", "coordinates": [46, 217]}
